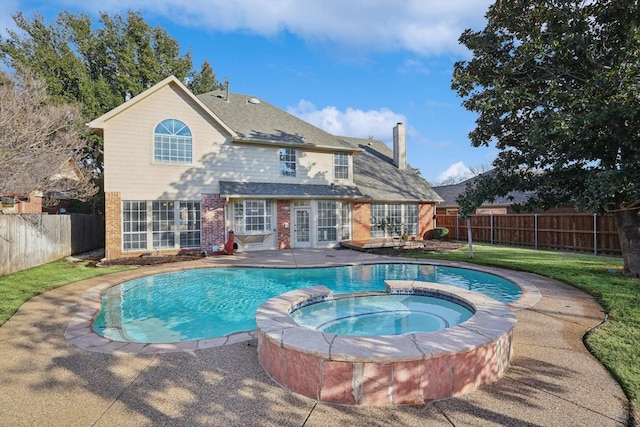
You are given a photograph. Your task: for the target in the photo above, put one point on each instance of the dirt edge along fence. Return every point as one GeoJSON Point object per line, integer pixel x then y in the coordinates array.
{"type": "Point", "coordinates": [592, 233]}
{"type": "Point", "coordinates": [30, 240]}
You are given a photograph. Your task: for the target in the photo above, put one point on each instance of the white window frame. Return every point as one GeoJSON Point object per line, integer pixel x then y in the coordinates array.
{"type": "Point", "coordinates": [403, 219]}
{"type": "Point", "coordinates": [327, 221]}
{"type": "Point", "coordinates": [345, 221]}
{"type": "Point", "coordinates": [161, 224]}
{"type": "Point", "coordinates": [172, 142]}
{"type": "Point", "coordinates": [341, 169]}
{"type": "Point", "coordinates": [288, 161]}
{"type": "Point", "coordinates": [134, 225]}
{"type": "Point", "coordinates": [189, 224]}
{"type": "Point", "coordinates": [252, 212]}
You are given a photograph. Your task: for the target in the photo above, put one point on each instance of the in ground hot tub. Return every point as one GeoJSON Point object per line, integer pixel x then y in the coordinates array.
{"type": "Point", "coordinates": [382, 314]}
{"type": "Point", "coordinates": [404, 367]}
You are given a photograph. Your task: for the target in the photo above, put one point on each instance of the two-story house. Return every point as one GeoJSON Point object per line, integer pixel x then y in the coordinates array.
{"type": "Point", "coordinates": [181, 171]}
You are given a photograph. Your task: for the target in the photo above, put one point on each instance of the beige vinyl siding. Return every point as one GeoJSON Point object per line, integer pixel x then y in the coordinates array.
{"type": "Point", "coordinates": [130, 169]}
{"type": "Point", "coordinates": [129, 166]}
{"type": "Point", "coordinates": [261, 163]}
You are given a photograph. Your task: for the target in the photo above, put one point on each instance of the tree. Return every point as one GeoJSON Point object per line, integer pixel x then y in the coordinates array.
{"type": "Point", "coordinates": [555, 84]}
{"type": "Point", "coordinates": [98, 66]}
{"type": "Point", "coordinates": [470, 173]}
{"type": "Point", "coordinates": [203, 81]}
{"type": "Point", "coordinates": [41, 144]}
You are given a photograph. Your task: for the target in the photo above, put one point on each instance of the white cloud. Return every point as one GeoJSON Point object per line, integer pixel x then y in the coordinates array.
{"type": "Point", "coordinates": [413, 66]}
{"type": "Point", "coordinates": [351, 122]}
{"type": "Point", "coordinates": [425, 27]}
{"type": "Point", "coordinates": [455, 173]}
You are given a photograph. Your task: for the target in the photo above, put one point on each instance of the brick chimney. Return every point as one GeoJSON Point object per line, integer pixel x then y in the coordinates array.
{"type": "Point", "coordinates": [400, 147]}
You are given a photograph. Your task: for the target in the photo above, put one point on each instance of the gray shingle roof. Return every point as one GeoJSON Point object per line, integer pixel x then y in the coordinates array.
{"type": "Point", "coordinates": [377, 177]}
{"type": "Point", "coordinates": [276, 190]}
{"type": "Point", "coordinates": [264, 123]}
{"type": "Point", "coordinates": [449, 193]}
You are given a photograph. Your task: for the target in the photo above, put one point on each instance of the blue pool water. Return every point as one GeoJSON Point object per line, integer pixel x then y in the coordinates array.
{"type": "Point", "coordinates": [213, 302]}
{"type": "Point", "coordinates": [373, 315]}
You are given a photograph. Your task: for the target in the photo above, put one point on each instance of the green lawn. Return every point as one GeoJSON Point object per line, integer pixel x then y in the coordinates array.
{"type": "Point", "coordinates": [17, 288]}
{"type": "Point", "coordinates": [617, 342]}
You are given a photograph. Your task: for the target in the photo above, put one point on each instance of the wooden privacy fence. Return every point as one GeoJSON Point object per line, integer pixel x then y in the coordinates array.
{"type": "Point", "coordinates": [30, 240]}
{"type": "Point", "coordinates": [568, 232]}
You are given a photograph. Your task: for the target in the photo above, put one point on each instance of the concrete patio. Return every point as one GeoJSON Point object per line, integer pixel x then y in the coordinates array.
{"type": "Point", "coordinates": [46, 380]}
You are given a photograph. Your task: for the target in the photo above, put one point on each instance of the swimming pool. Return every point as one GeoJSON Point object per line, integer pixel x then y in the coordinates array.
{"type": "Point", "coordinates": [213, 302]}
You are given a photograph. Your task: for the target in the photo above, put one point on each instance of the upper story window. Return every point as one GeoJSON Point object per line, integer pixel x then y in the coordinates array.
{"type": "Point", "coordinates": [287, 162]}
{"type": "Point", "coordinates": [172, 142]}
{"type": "Point", "coordinates": [341, 165]}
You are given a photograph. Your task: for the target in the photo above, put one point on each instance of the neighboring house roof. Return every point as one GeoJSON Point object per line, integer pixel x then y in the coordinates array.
{"type": "Point", "coordinates": [257, 121]}
{"type": "Point", "coordinates": [67, 170]}
{"type": "Point", "coordinates": [450, 193]}
{"type": "Point", "coordinates": [250, 189]}
{"type": "Point", "coordinates": [376, 176]}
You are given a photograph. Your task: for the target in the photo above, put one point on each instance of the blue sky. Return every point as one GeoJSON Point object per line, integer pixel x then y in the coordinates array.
{"type": "Point", "coordinates": [354, 68]}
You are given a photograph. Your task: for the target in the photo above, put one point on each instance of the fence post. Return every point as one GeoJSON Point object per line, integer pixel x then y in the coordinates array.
{"type": "Point", "coordinates": [595, 234]}
{"type": "Point", "coordinates": [457, 227]}
{"type": "Point", "coordinates": [491, 225]}
{"type": "Point", "coordinates": [535, 230]}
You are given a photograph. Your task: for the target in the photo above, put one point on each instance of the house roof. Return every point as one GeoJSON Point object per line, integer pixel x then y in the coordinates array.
{"type": "Point", "coordinates": [449, 193]}
{"type": "Point", "coordinates": [255, 121]}
{"type": "Point", "coordinates": [98, 124]}
{"type": "Point", "coordinates": [379, 179]}
{"type": "Point", "coordinates": [249, 119]}
{"type": "Point", "coordinates": [272, 190]}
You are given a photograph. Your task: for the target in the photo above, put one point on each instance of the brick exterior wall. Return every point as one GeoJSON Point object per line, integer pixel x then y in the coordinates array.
{"type": "Point", "coordinates": [33, 205]}
{"type": "Point", "coordinates": [213, 227]}
{"type": "Point", "coordinates": [284, 217]}
{"type": "Point", "coordinates": [426, 212]}
{"type": "Point", "coordinates": [361, 221]}
{"type": "Point", "coordinates": [113, 225]}
{"type": "Point", "coordinates": [213, 222]}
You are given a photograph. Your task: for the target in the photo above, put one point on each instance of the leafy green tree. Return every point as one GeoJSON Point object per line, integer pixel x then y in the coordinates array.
{"type": "Point", "coordinates": [203, 81]}
{"type": "Point", "coordinates": [99, 66]}
{"type": "Point", "coordinates": [556, 87]}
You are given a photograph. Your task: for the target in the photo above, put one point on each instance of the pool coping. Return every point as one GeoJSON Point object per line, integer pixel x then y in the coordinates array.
{"type": "Point", "coordinates": [350, 370]}
{"type": "Point", "coordinates": [79, 331]}
{"type": "Point", "coordinates": [489, 322]}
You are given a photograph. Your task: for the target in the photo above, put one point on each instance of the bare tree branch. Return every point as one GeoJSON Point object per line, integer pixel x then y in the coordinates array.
{"type": "Point", "coordinates": [41, 143]}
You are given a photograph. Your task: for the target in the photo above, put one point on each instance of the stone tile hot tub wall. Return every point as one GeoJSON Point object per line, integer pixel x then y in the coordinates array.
{"type": "Point", "coordinates": [385, 370]}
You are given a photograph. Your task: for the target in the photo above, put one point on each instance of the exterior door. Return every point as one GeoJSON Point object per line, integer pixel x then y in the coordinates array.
{"type": "Point", "coordinates": [302, 227]}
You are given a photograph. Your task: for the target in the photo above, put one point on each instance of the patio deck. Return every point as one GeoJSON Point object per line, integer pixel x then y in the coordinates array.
{"type": "Point", "coordinates": [46, 380]}
{"type": "Point", "coordinates": [378, 243]}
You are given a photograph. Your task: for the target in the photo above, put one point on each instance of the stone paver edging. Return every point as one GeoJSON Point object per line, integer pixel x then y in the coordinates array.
{"type": "Point", "coordinates": [80, 332]}
{"type": "Point", "coordinates": [412, 368]}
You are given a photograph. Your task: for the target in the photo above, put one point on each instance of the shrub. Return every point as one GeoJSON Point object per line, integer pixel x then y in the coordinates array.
{"type": "Point", "coordinates": [440, 232]}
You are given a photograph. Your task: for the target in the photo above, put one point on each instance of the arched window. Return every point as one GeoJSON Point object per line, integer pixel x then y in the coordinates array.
{"type": "Point", "coordinates": [172, 142]}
